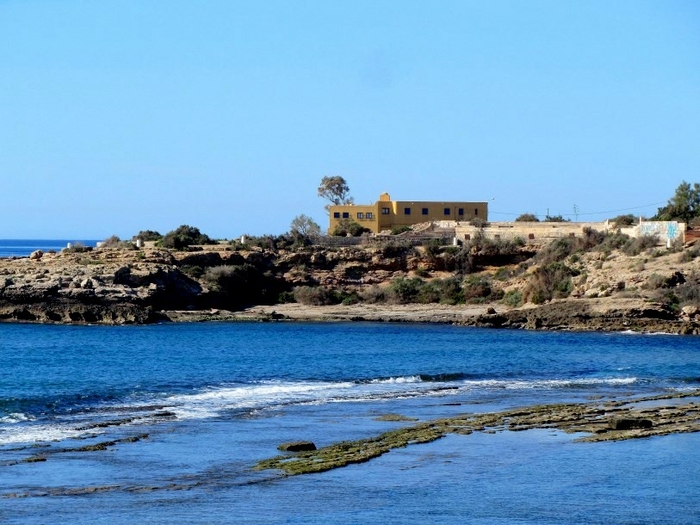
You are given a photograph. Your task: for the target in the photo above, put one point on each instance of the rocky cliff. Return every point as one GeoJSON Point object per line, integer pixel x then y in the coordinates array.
{"type": "Point", "coordinates": [481, 286]}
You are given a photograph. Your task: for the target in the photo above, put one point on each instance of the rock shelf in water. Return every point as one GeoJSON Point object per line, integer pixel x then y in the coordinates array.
{"type": "Point", "coordinates": [599, 421]}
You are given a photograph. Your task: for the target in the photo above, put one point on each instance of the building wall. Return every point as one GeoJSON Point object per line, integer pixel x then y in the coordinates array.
{"type": "Point", "coordinates": [366, 216]}
{"type": "Point", "coordinates": [387, 214]}
{"type": "Point", "coordinates": [538, 232]}
{"type": "Point", "coordinates": [666, 231]}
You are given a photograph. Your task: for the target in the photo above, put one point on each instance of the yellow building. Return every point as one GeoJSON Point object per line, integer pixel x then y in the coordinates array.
{"type": "Point", "coordinates": [386, 214]}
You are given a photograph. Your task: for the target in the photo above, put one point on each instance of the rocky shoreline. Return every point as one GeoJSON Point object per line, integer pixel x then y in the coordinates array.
{"type": "Point", "coordinates": [598, 421]}
{"type": "Point", "coordinates": [594, 421]}
{"type": "Point", "coordinates": [561, 315]}
{"type": "Point", "coordinates": [121, 286]}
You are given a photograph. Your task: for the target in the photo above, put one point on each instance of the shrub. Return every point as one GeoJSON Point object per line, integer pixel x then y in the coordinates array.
{"type": "Point", "coordinates": [638, 245]}
{"type": "Point", "coordinates": [286, 297]}
{"type": "Point", "coordinates": [242, 284]}
{"type": "Point", "coordinates": [395, 248]}
{"type": "Point", "coordinates": [116, 242]}
{"type": "Point", "coordinates": [351, 297]}
{"type": "Point", "coordinates": [655, 281]}
{"type": "Point", "coordinates": [552, 281]}
{"type": "Point", "coordinates": [147, 235]}
{"type": "Point", "coordinates": [557, 250]}
{"type": "Point", "coordinates": [397, 230]}
{"type": "Point", "coordinates": [428, 293]}
{"type": "Point", "coordinates": [348, 227]}
{"type": "Point", "coordinates": [475, 288]}
{"type": "Point", "coordinates": [193, 271]}
{"type": "Point", "coordinates": [492, 247]}
{"type": "Point", "coordinates": [268, 242]}
{"type": "Point", "coordinates": [404, 290]}
{"type": "Point", "coordinates": [527, 217]}
{"type": "Point", "coordinates": [555, 218]}
{"type": "Point", "coordinates": [623, 220]}
{"type": "Point", "coordinates": [513, 298]}
{"type": "Point", "coordinates": [590, 239]}
{"type": "Point", "coordinates": [448, 291]}
{"type": "Point", "coordinates": [503, 274]}
{"type": "Point", "coordinates": [613, 241]}
{"type": "Point", "coordinates": [422, 272]}
{"type": "Point", "coordinates": [111, 241]}
{"type": "Point", "coordinates": [315, 295]}
{"type": "Point", "coordinates": [373, 294]}
{"type": "Point", "coordinates": [185, 236]}
{"type": "Point", "coordinates": [689, 254]}
{"type": "Point", "coordinates": [689, 293]}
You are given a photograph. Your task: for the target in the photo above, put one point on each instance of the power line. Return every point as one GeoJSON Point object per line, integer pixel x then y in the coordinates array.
{"type": "Point", "coordinates": [587, 213]}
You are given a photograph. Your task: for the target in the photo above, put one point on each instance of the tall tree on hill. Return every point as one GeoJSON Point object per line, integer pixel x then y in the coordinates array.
{"type": "Point", "coordinates": [304, 226]}
{"type": "Point", "coordinates": [683, 206]}
{"type": "Point", "coordinates": [336, 190]}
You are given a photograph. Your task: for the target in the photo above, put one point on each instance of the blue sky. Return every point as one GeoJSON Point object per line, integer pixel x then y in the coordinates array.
{"type": "Point", "coordinates": [118, 116]}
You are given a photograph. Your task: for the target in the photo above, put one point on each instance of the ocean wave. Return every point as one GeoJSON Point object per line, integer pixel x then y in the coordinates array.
{"type": "Point", "coordinates": [276, 394]}
{"type": "Point", "coordinates": [233, 400]}
{"type": "Point", "coordinates": [41, 433]}
{"type": "Point", "coordinates": [634, 332]}
{"type": "Point", "coordinates": [212, 401]}
{"type": "Point", "coordinates": [394, 380]}
{"type": "Point", "coordinates": [16, 417]}
{"type": "Point", "coordinates": [549, 383]}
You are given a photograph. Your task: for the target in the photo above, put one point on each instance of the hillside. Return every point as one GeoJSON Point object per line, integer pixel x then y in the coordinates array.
{"type": "Point", "coordinates": [593, 283]}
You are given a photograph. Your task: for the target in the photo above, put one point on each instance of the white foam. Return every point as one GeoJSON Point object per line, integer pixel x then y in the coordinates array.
{"type": "Point", "coordinates": [548, 383]}
{"type": "Point", "coordinates": [15, 417]}
{"type": "Point", "coordinates": [259, 395]}
{"type": "Point", "coordinates": [212, 402]}
{"type": "Point", "coordinates": [394, 380]}
{"type": "Point", "coordinates": [40, 434]}
{"type": "Point", "coordinates": [633, 332]}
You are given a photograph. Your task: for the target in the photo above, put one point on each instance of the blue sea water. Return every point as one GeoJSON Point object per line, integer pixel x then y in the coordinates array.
{"type": "Point", "coordinates": [23, 247]}
{"type": "Point", "coordinates": [213, 399]}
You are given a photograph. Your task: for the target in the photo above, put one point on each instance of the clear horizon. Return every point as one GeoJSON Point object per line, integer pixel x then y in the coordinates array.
{"type": "Point", "coordinates": [124, 116]}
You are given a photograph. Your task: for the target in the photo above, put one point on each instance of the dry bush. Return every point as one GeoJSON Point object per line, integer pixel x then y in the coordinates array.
{"type": "Point", "coordinates": [314, 296]}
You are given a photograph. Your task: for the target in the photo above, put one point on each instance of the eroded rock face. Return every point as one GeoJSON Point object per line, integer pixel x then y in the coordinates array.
{"type": "Point", "coordinates": [105, 287]}
{"type": "Point", "coordinates": [109, 285]}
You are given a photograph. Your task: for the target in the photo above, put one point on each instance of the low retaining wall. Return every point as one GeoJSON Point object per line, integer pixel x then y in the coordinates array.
{"type": "Point", "coordinates": [538, 232]}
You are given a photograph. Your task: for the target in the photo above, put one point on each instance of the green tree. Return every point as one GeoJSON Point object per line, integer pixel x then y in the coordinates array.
{"type": "Point", "coordinates": [346, 226]}
{"type": "Point", "coordinates": [683, 206]}
{"type": "Point", "coordinates": [185, 236]}
{"type": "Point", "coordinates": [336, 190]}
{"type": "Point", "coordinates": [527, 217]}
{"type": "Point", "coordinates": [555, 218]}
{"type": "Point", "coordinates": [304, 226]}
{"type": "Point", "coordinates": [624, 220]}
{"type": "Point", "coordinates": [147, 235]}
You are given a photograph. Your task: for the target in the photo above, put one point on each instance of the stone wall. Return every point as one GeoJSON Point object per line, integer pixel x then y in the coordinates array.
{"type": "Point", "coordinates": [666, 231]}
{"type": "Point", "coordinates": [539, 232]}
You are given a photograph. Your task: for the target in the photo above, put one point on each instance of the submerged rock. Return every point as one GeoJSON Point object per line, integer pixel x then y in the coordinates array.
{"type": "Point", "coordinates": [620, 423]}
{"type": "Point", "coordinates": [297, 446]}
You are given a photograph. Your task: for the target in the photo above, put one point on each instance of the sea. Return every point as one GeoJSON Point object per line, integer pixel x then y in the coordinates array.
{"type": "Point", "coordinates": [164, 424]}
{"type": "Point", "coordinates": [24, 247]}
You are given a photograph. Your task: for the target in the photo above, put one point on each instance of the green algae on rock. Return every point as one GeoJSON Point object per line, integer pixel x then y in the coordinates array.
{"type": "Point", "coordinates": [597, 420]}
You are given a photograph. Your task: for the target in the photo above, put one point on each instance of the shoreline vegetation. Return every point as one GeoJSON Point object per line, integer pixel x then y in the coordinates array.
{"type": "Point", "coordinates": [617, 279]}
{"type": "Point", "coordinates": [613, 420]}
{"type": "Point", "coordinates": [596, 281]}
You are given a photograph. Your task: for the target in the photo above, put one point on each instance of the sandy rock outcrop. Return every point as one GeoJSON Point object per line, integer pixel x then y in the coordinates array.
{"type": "Point", "coordinates": [609, 291]}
